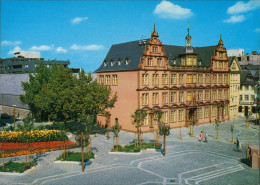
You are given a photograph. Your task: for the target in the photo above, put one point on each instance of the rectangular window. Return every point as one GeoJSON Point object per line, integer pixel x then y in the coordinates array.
{"type": "Point", "coordinates": [181, 80]}
{"type": "Point", "coordinates": [246, 88]}
{"type": "Point", "coordinates": [114, 80]}
{"type": "Point", "coordinates": [220, 55]}
{"type": "Point", "coordinates": [225, 65]}
{"type": "Point", "coordinates": [200, 113]}
{"type": "Point", "coordinates": [241, 98]}
{"type": "Point", "coordinates": [181, 96]}
{"type": "Point", "coordinates": [226, 79]}
{"type": "Point", "coordinates": [246, 98]}
{"type": "Point", "coordinates": [165, 117]}
{"type": "Point", "coordinates": [155, 79]}
{"type": "Point", "coordinates": [194, 79]}
{"type": "Point", "coordinates": [252, 97]}
{"type": "Point", "coordinates": [173, 117]}
{"type": "Point", "coordinates": [145, 99]}
{"type": "Point", "coordinates": [220, 94]}
{"type": "Point", "coordinates": [150, 62]}
{"type": "Point", "coordinates": [26, 66]}
{"type": "Point", "coordinates": [225, 94]}
{"type": "Point", "coordinates": [101, 79]}
{"type": "Point", "coordinates": [220, 79]}
{"type": "Point", "coordinates": [145, 122]}
{"type": "Point", "coordinates": [173, 97]}
{"type": "Point", "coordinates": [155, 98]}
{"type": "Point", "coordinates": [107, 79]}
{"type": "Point", "coordinates": [165, 79]}
{"type": "Point", "coordinates": [200, 79]}
{"type": "Point", "coordinates": [145, 79]}
{"type": "Point", "coordinates": [207, 79]}
{"type": "Point", "coordinates": [200, 97]}
{"type": "Point", "coordinates": [189, 62]}
{"type": "Point", "coordinates": [220, 65]}
{"type": "Point", "coordinates": [189, 79]}
{"type": "Point", "coordinates": [225, 110]}
{"type": "Point", "coordinates": [164, 97]}
{"type": "Point", "coordinates": [206, 112]}
{"type": "Point", "coordinates": [189, 94]}
{"type": "Point", "coordinates": [214, 80]}
{"type": "Point", "coordinates": [214, 111]}
{"type": "Point", "coordinates": [173, 79]}
{"type": "Point", "coordinates": [159, 62]}
{"type": "Point", "coordinates": [181, 115]}
{"type": "Point", "coordinates": [206, 95]}
{"type": "Point", "coordinates": [215, 65]}
{"type": "Point", "coordinates": [214, 94]}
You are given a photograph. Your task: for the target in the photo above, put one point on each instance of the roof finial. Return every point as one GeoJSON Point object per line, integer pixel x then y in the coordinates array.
{"type": "Point", "coordinates": [188, 29]}
{"type": "Point", "coordinates": [154, 27]}
{"type": "Point", "coordinates": [220, 37]}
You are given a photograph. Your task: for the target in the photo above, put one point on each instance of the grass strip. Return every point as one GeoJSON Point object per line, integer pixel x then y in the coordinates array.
{"type": "Point", "coordinates": [133, 148]}
{"type": "Point", "coordinates": [19, 167]}
{"type": "Point", "coordinates": [76, 156]}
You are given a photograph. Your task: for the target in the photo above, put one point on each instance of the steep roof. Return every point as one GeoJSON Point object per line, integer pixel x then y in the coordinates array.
{"type": "Point", "coordinates": [133, 51]}
{"type": "Point", "coordinates": [246, 78]}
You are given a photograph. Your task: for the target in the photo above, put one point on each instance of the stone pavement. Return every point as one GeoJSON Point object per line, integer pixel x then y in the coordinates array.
{"type": "Point", "coordinates": [187, 161]}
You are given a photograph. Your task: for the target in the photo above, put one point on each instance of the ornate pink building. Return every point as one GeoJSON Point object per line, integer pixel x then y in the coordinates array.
{"type": "Point", "coordinates": [189, 84]}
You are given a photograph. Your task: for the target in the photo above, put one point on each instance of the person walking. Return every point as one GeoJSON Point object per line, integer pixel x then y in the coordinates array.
{"type": "Point", "coordinates": [238, 141]}
{"type": "Point", "coordinates": [206, 137]}
{"type": "Point", "coordinates": [201, 136]}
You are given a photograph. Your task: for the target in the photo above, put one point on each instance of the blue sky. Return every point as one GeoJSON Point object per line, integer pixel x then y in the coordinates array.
{"type": "Point", "coordinates": [83, 31]}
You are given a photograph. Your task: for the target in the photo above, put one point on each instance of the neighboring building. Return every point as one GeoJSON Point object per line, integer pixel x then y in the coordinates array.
{"type": "Point", "coordinates": [234, 89]}
{"type": "Point", "coordinates": [187, 83]}
{"type": "Point", "coordinates": [26, 61]}
{"type": "Point", "coordinates": [253, 59]}
{"type": "Point", "coordinates": [235, 52]}
{"type": "Point", "coordinates": [248, 94]}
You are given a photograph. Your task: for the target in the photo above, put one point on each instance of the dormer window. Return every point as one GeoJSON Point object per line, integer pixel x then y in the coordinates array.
{"type": "Point", "coordinates": [200, 63]}
{"type": "Point", "coordinates": [126, 62]}
{"type": "Point", "coordinates": [119, 62]}
{"type": "Point", "coordinates": [111, 63]}
{"type": "Point", "coordinates": [155, 49]}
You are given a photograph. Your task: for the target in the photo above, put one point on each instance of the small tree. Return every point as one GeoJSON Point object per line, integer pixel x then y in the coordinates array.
{"type": "Point", "coordinates": [217, 122]}
{"type": "Point", "coordinates": [138, 119]}
{"type": "Point", "coordinates": [27, 125]}
{"type": "Point", "coordinates": [116, 129]}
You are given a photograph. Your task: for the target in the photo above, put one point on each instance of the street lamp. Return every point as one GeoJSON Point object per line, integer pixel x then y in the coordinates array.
{"type": "Point", "coordinates": [165, 131]}
{"type": "Point", "coordinates": [14, 114]}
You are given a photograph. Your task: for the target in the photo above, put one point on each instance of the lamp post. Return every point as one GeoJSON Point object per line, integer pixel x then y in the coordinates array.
{"type": "Point", "coordinates": [165, 131]}
{"type": "Point", "coordinates": [14, 114]}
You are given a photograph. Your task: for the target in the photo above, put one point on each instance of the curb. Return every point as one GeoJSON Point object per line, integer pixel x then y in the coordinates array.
{"type": "Point", "coordinates": [134, 153]}
{"type": "Point", "coordinates": [73, 162]}
{"type": "Point", "coordinates": [20, 174]}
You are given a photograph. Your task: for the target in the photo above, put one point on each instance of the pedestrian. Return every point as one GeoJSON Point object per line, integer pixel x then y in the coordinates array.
{"type": "Point", "coordinates": [238, 141]}
{"type": "Point", "coordinates": [206, 137]}
{"type": "Point", "coordinates": [201, 136]}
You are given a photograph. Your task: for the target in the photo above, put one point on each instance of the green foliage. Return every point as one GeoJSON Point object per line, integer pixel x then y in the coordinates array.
{"type": "Point", "coordinates": [138, 117]}
{"type": "Point", "coordinates": [76, 156]}
{"type": "Point", "coordinates": [27, 125]}
{"type": "Point", "coordinates": [232, 128]}
{"type": "Point", "coordinates": [217, 123]}
{"type": "Point", "coordinates": [158, 116]}
{"type": "Point", "coordinates": [10, 128]}
{"type": "Point", "coordinates": [133, 148]}
{"type": "Point", "coordinates": [19, 167]}
{"type": "Point", "coordinates": [116, 128]}
{"type": "Point", "coordinates": [56, 94]}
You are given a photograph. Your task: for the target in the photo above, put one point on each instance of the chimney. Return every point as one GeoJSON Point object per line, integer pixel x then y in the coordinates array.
{"type": "Point", "coordinates": [254, 53]}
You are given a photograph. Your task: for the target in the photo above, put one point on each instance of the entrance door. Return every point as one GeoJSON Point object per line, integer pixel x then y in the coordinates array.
{"type": "Point", "coordinates": [246, 111]}
{"type": "Point", "coordinates": [191, 114]}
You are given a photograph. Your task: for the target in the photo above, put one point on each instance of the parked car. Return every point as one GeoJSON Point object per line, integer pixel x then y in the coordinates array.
{"type": "Point", "coordinates": [5, 116]}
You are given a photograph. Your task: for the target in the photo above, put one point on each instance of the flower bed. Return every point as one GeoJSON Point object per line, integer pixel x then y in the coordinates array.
{"type": "Point", "coordinates": [133, 148]}
{"type": "Point", "coordinates": [17, 149]}
{"type": "Point", "coordinates": [33, 136]}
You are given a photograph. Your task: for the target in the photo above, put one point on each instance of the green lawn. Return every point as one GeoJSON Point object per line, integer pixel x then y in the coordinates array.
{"type": "Point", "coordinates": [19, 167]}
{"type": "Point", "coordinates": [76, 156]}
{"type": "Point", "coordinates": [132, 148]}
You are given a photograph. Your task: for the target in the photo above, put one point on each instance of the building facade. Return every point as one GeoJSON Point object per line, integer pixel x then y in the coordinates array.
{"type": "Point", "coordinates": [188, 84]}
{"type": "Point", "coordinates": [248, 93]}
{"type": "Point", "coordinates": [26, 61]}
{"type": "Point", "coordinates": [234, 90]}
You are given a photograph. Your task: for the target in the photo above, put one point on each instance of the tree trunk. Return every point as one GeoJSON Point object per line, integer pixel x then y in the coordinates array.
{"type": "Point", "coordinates": [3, 160]}
{"type": "Point", "coordinates": [82, 153]}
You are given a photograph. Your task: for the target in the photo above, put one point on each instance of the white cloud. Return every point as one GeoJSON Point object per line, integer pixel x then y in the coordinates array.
{"type": "Point", "coordinates": [61, 50]}
{"type": "Point", "coordinates": [41, 48]}
{"type": "Point", "coordinates": [92, 47]}
{"type": "Point", "coordinates": [167, 9]}
{"type": "Point", "coordinates": [10, 43]}
{"type": "Point", "coordinates": [16, 49]}
{"type": "Point", "coordinates": [243, 6]}
{"type": "Point", "coordinates": [257, 30]}
{"type": "Point", "coordinates": [77, 20]}
{"type": "Point", "coordinates": [235, 19]}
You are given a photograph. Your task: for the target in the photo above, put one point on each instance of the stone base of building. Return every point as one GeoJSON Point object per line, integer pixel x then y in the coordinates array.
{"type": "Point", "coordinates": [19, 112]}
